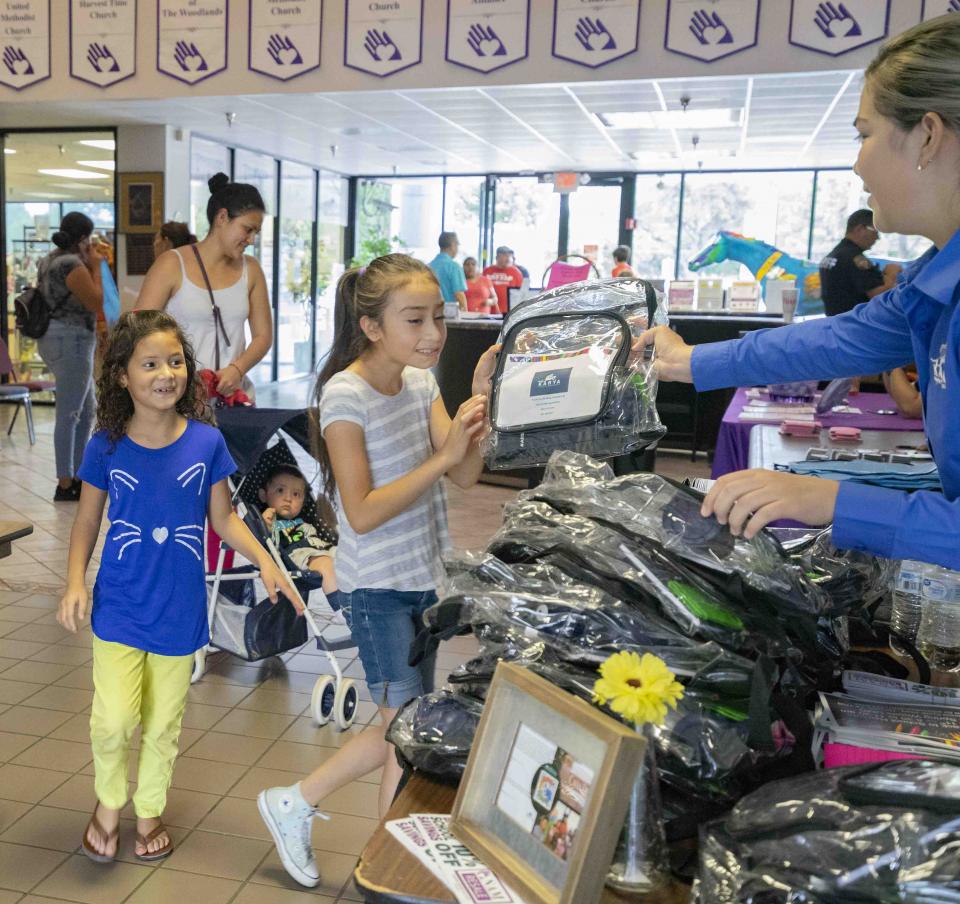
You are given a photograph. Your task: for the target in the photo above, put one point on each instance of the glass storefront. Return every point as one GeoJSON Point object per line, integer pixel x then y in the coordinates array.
{"type": "Point", "coordinates": [47, 175]}
{"type": "Point", "coordinates": [207, 158]}
{"type": "Point", "coordinates": [333, 217]}
{"type": "Point", "coordinates": [527, 219]}
{"type": "Point", "coordinates": [261, 171]}
{"type": "Point", "coordinates": [295, 298]}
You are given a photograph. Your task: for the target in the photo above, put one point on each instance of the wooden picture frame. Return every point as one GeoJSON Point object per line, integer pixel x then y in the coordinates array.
{"type": "Point", "coordinates": [141, 202]}
{"type": "Point", "coordinates": [524, 718]}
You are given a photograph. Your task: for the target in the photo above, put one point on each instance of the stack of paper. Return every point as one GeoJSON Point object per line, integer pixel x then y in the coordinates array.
{"type": "Point", "coordinates": [427, 836]}
{"type": "Point", "coordinates": [887, 714]}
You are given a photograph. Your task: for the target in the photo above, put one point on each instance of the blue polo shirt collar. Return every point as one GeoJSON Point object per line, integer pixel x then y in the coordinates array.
{"type": "Point", "coordinates": [938, 271]}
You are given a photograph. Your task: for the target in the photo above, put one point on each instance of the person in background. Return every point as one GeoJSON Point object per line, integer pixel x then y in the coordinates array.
{"type": "Point", "coordinates": [909, 161]}
{"type": "Point", "coordinates": [172, 235]}
{"type": "Point", "coordinates": [524, 272]}
{"type": "Point", "coordinates": [504, 275]}
{"type": "Point", "coordinates": [904, 392]}
{"type": "Point", "coordinates": [453, 284]}
{"type": "Point", "coordinates": [177, 283]}
{"type": "Point", "coordinates": [621, 262]}
{"type": "Point", "coordinates": [481, 296]}
{"type": "Point", "coordinates": [847, 276]}
{"type": "Point", "coordinates": [71, 281]}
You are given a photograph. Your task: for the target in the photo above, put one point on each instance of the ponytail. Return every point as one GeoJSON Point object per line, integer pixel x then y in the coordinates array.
{"type": "Point", "coordinates": [361, 292]}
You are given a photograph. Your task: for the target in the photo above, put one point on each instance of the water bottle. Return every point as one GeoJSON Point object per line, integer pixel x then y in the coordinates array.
{"type": "Point", "coordinates": [907, 605]}
{"type": "Point", "coordinates": [938, 637]}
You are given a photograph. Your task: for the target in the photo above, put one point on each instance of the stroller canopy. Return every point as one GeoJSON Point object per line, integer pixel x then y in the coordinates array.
{"type": "Point", "coordinates": [247, 431]}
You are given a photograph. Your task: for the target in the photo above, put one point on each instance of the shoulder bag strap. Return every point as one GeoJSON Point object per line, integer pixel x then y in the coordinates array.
{"type": "Point", "coordinates": [218, 326]}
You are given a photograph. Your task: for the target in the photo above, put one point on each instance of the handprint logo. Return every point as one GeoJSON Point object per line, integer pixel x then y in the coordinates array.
{"type": "Point", "coordinates": [188, 58]}
{"type": "Point", "coordinates": [593, 35]}
{"type": "Point", "coordinates": [709, 28]}
{"type": "Point", "coordinates": [283, 52]}
{"type": "Point", "coordinates": [102, 60]}
{"type": "Point", "coordinates": [836, 21]}
{"type": "Point", "coordinates": [953, 6]}
{"type": "Point", "coordinates": [381, 47]}
{"type": "Point", "coordinates": [16, 61]}
{"type": "Point", "coordinates": [485, 41]}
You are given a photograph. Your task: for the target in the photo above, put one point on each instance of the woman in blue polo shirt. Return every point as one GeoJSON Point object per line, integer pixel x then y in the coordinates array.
{"type": "Point", "coordinates": [909, 127]}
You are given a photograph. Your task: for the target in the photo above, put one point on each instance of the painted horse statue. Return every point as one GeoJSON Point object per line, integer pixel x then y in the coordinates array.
{"type": "Point", "coordinates": [765, 262]}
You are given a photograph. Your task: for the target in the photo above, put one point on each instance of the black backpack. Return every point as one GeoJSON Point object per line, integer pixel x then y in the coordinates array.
{"type": "Point", "coordinates": [32, 310]}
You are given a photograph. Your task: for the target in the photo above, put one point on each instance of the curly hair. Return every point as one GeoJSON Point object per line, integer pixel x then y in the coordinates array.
{"type": "Point", "coordinates": [114, 405]}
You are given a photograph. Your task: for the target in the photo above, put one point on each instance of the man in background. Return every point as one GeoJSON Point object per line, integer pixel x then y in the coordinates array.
{"type": "Point", "coordinates": [504, 275]}
{"type": "Point", "coordinates": [453, 284]}
{"type": "Point", "coordinates": [847, 276]}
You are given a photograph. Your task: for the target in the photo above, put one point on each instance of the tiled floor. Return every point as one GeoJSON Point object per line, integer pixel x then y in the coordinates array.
{"type": "Point", "coordinates": [246, 727]}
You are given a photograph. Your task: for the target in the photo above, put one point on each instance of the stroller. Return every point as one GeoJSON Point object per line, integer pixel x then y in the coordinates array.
{"type": "Point", "coordinates": [253, 630]}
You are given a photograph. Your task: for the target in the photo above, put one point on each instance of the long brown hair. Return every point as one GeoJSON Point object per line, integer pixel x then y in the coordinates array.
{"type": "Point", "coordinates": [114, 405]}
{"type": "Point", "coordinates": [361, 292]}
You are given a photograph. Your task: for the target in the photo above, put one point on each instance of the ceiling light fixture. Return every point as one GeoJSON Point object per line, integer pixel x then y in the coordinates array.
{"type": "Point", "coordinates": [9, 151]}
{"type": "Point", "coordinates": [104, 144]}
{"type": "Point", "coordinates": [723, 118]}
{"type": "Point", "coordinates": [72, 174]}
{"type": "Point", "coordinates": [99, 164]}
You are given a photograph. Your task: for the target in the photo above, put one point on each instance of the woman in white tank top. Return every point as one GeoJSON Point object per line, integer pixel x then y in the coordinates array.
{"type": "Point", "coordinates": [176, 283]}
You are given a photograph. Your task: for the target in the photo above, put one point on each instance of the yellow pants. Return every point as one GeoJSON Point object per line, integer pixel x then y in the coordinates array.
{"type": "Point", "coordinates": [131, 688]}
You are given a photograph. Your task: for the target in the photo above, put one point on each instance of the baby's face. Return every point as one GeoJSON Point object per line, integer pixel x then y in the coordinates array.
{"type": "Point", "coordinates": [285, 494]}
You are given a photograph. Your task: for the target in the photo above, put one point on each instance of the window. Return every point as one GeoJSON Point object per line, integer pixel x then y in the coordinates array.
{"type": "Point", "coordinates": [594, 228]}
{"type": "Point", "coordinates": [463, 201]}
{"type": "Point", "coordinates": [527, 219]}
{"type": "Point", "coordinates": [261, 171]}
{"type": "Point", "coordinates": [295, 307]}
{"type": "Point", "coordinates": [773, 207]}
{"type": "Point", "coordinates": [331, 232]}
{"type": "Point", "coordinates": [207, 158]}
{"type": "Point", "coordinates": [839, 194]}
{"type": "Point", "coordinates": [655, 233]}
{"type": "Point", "coordinates": [399, 215]}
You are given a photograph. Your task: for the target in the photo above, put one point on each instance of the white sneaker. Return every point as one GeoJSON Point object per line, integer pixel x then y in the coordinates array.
{"type": "Point", "coordinates": [289, 818]}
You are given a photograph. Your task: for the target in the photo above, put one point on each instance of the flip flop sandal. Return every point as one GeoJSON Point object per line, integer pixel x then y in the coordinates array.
{"type": "Point", "coordinates": [159, 854]}
{"type": "Point", "coordinates": [89, 850]}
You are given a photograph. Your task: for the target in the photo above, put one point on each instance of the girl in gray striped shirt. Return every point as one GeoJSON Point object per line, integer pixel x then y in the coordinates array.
{"type": "Point", "coordinates": [387, 442]}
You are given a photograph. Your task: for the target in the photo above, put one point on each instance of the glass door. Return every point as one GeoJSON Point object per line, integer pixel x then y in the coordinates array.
{"type": "Point", "coordinates": [332, 221]}
{"type": "Point", "coordinates": [527, 219]}
{"type": "Point", "coordinates": [594, 224]}
{"type": "Point", "coordinates": [296, 302]}
{"type": "Point", "coordinates": [261, 171]}
{"type": "Point", "coordinates": [47, 175]}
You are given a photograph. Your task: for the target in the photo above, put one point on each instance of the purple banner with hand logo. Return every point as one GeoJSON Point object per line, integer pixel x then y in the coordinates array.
{"type": "Point", "coordinates": [595, 33]}
{"type": "Point", "coordinates": [710, 30]}
{"type": "Point", "coordinates": [383, 37]}
{"type": "Point", "coordinates": [191, 39]}
{"type": "Point", "coordinates": [103, 41]}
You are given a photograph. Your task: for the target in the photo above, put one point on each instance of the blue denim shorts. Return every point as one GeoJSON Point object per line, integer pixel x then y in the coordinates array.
{"type": "Point", "coordinates": [383, 624]}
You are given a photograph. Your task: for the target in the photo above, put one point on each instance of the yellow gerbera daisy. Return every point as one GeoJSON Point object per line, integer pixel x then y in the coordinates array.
{"type": "Point", "coordinates": [638, 688]}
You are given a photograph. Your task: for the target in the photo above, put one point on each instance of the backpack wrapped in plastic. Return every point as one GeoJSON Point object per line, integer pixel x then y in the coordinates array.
{"type": "Point", "coordinates": [568, 376]}
{"type": "Point", "coordinates": [869, 834]}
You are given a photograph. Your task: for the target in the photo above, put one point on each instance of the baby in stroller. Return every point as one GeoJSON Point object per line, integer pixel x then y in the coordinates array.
{"type": "Point", "coordinates": [283, 494]}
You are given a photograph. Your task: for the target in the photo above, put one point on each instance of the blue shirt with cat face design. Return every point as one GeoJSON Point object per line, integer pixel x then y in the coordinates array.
{"type": "Point", "coordinates": [150, 591]}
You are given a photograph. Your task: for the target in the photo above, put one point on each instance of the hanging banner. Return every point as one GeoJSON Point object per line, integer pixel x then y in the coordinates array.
{"type": "Point", "coordinates": [710, 30]}
{"type": "Point", "coordinates": [834, 28]}
{"type": "Point", "coordinates": [595, 32]}
{"type": "Point", "coordinates": [383, 37]}
{"type": "Point", "coordinates": [103, 40]}
{"type": "Point", "coordinates": [933, 8]}
{"type": "Point", "coordinates": [191, 38]}
{"type": "Point", "coordinates": [487, 36]}
{"type": "Point", "coordinates": [25, 42]}
{"type": "Point", "coordinates": [285, 37]}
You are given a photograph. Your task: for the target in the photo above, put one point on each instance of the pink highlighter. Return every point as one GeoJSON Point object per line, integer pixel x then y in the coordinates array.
{"type": "Point", "coordinates": [845, 434]}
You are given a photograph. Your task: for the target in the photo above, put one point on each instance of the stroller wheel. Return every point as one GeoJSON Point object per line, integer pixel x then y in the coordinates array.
{"type": "Point", "coordinates": [199, 664]}
{"type": "Point", "coordinates": [323, 699]}
{"type": "Point", "coordinates": [345, 705]}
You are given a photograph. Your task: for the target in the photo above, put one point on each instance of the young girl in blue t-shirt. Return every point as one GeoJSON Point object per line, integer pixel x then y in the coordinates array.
{"type": "Point", "coordinates": [164, 472]}
{"type": "Point", "coordinates": [387, 442]}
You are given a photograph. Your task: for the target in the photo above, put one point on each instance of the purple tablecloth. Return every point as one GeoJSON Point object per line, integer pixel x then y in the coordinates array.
{"type": "Point", "coordinates": [733, 442]}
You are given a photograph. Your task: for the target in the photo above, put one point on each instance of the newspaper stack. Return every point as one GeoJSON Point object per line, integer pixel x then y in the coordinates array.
{"type": "Point", "coordinates": [427, 836]}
